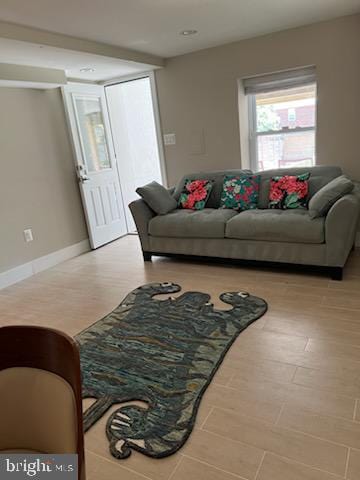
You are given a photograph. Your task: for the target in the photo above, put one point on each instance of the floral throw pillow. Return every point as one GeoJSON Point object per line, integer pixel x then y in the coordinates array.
{"type": "Point", "coordinates": [289, 191]}
{"type": "Point", "coordinates": [195, 194]}
{"type": "Point", "coordinates": [240, 192]}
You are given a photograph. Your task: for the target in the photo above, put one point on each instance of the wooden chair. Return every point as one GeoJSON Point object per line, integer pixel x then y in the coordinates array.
{"type": "Point", "coordinates": [40, 393]}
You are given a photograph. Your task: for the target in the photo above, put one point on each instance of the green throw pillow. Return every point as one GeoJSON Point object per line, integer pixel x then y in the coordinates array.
{"type": "Point", "coordinates": [157, 197]}
{"type": "Point", "coordinates": [330, 193]}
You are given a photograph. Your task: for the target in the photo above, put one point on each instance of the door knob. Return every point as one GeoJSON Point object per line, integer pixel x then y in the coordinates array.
{"type": "Point", "coordinates": [81, 171]}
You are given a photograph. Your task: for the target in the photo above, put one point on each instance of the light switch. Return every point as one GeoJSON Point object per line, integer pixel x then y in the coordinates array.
{"type": "Point", "coordinates": [28, 236]}
{"type": "Point", "coordinates": [170, 139]}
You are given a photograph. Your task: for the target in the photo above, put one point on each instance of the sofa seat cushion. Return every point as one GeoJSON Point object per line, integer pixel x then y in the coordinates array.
{"type": "Point", "coordinates": [276, 225]}
{"type": "Point", "coordinates": [206, 223]}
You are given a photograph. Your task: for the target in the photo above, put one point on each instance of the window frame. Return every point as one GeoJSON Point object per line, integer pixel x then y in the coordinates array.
{"type": "Point", "coordinates": [254, 134]}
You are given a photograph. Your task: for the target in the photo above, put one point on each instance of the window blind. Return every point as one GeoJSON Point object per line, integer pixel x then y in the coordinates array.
{"type": "Point", "coordinates": [280, 80]}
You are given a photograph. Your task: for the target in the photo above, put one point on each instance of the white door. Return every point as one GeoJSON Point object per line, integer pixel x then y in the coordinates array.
{"type": "Point", "coordinates": [95, 162]}
{"type": "Point", "coordinates": [133, 111]}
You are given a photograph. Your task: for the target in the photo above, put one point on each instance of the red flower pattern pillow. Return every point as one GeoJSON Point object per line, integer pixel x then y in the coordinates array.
{"type": "Point", "coordinates": [289, 191]}
{"type": "Point", "coordinates": [195, 194]}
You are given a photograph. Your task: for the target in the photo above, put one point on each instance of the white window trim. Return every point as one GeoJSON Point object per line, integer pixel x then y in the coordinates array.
{"type": "Point", "coordinates": [253, 150]}
{"type": "Point", "coordinates": [254, 134]}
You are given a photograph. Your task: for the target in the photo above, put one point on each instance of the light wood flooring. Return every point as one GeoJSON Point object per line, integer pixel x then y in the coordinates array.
{"type": "Point", "coordinates": [285, 404]}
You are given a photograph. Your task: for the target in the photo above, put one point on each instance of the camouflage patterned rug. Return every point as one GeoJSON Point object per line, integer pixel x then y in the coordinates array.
{"type": "Point", "coordinates": [163, 353]}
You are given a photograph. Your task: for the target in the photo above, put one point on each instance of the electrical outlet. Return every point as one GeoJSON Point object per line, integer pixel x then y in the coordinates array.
{"type": "Point", "coordinates": [28, 235]}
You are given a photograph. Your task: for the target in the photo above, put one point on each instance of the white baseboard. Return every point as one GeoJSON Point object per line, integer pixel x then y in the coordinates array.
{"type": "Point", "coordinates": [42, 263]}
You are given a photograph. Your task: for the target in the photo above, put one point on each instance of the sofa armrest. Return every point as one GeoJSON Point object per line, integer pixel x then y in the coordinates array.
{"type": "Point", "coordinates": [340, 229]}
{"type": "Point", "coordinates": [142, 214]}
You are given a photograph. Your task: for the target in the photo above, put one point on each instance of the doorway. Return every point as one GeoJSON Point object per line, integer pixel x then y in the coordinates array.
{"type": "Point", "coordinates": [136, 137]}
{"type": "Point", "coordinates": [117, 145]}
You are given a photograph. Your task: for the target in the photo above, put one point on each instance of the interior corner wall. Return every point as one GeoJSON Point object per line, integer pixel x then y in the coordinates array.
{"type": "Point", "coordinates": [38, 187]}
{"type": "Point", "coordinates": [198, 93]}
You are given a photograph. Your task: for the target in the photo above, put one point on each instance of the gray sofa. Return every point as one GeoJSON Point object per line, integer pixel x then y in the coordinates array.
{"type": "Point", "coordinates": [266, 235]}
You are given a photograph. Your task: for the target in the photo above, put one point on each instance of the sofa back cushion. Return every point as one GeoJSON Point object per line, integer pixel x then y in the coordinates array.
{"type": "Point", "coordinates": [217, 178]}
{"type": "Point", "coordinates": [319, 176]}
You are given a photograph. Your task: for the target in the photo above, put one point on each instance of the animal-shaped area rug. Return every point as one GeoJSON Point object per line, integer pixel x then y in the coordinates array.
{"type": "Point", "coordinates": [163, 353]}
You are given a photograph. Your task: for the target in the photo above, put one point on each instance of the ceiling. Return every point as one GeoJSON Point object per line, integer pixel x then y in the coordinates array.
{"type": "Point", "coordinates": [153, 26]}
{"type": "Point", "coordinates": [105, 68]}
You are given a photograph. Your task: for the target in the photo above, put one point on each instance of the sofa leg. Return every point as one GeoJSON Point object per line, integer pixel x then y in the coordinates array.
{"type": "Point", "coordinates": [147, 256]}
{"type": "Point", "coordinates": [336, 273]}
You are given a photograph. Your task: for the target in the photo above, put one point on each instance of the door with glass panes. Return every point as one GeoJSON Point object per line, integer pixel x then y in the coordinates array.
{"type": "Point", "coordinates": [95, 162]}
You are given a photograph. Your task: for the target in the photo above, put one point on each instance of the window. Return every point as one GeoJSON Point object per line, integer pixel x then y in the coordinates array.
{"type": "Point", "coordinates": [282, 120]}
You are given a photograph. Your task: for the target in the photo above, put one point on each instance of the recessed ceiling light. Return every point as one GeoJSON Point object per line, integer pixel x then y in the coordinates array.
{"type": "Point", "coordinates": [188, 32]}
{"type": "Point", "coordinates": [87, 70]}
